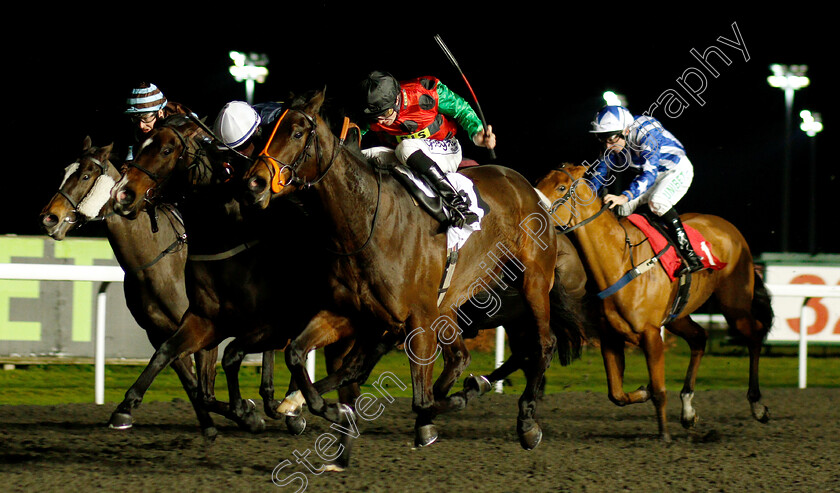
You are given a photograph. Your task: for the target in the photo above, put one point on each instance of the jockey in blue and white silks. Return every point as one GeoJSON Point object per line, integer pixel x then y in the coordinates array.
{"type": "Point", "coordinates": [664, 173]}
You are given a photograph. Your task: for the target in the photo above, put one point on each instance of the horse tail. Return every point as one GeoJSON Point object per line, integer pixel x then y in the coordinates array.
{"type": "Point", "coordinates": [568, 323]}
{"type": "Point", "coordinates": [762, 308]}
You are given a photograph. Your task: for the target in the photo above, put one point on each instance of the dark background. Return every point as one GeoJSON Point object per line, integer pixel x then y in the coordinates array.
{"type": "Point", "coordinates": [537, 71]}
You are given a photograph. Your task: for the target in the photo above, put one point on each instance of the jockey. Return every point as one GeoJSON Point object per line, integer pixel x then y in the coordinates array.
{"type": "Point", "coordinates": [240, 126]}
{"type": "Point", "coordinates": [664, 172]}
{"type": "Point", "coordinates": [416, 121]}
{"type": "Point", "coordinates": [145, 105]}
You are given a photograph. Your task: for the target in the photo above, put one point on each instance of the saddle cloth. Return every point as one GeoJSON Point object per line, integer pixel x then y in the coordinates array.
{"type": "Point", "coordinates": [455, 237]}
{"type": "Point", "coordinates": [671, 260]}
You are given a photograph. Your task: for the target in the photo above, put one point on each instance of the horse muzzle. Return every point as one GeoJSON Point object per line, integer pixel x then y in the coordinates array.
{"type": "Point", "coordinates": [57, 221]}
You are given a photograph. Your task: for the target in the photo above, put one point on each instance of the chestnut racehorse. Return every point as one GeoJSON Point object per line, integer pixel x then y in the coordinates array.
{"type": "Point", "coordinates": [389, 257]}
{"type": "Point", "coordinates": [612, 247]}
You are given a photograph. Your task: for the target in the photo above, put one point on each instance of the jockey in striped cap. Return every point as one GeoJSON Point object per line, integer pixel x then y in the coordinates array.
{"type": "Point", "coordinates": [145, 105]}
{"type": "Point", "coordinates": [663, 177]}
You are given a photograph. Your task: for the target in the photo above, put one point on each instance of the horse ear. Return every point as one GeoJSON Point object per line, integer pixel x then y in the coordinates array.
{"type": "Point", "coordinates": [104, 153]}
{"type": "Point", "coordinates": [313, 106]}
{"type": "Point", "coordinates": [87, 143]}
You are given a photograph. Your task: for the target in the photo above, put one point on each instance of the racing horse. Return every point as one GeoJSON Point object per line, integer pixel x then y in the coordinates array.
{"type": "Point", "coordinates": [613, 247]}
{"type": "Point", "coordinates": [153, 263]}
{"type": "Point", "coordinates": [152, 251]}
{"type": "Point", "coordinates": [235, 271]}
{"type": "Point", "coordinates": [389, 257]}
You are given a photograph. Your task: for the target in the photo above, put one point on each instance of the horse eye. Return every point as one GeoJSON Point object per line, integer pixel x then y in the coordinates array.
{"type": "Point", "coordinates": [561, 188]}
{"type": "Point", "coordinates": [86, 176]}
{"type": "Point", "coordinates": [298, 135]}
{"type": "Point", "coordinates": [167, 151]}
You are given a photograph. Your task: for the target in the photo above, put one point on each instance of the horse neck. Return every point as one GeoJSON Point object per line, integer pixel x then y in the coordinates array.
{"type": "Point", "coordinates": [603, 244]}
{"type": "Point", "coordinates": [133, 241]}
{"type": "Point", "coordinates": [347, 193]}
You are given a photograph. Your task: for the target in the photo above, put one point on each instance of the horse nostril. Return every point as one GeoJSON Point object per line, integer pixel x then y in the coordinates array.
{"type": "Point", "coordinates": [125, 197]}
{"type": "Point", "coordinates": [49, 219]}
{"type": "Point", "coordinates": [257, 184]}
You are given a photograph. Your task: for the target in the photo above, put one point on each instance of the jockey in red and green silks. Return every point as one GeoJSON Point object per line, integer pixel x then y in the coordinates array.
{"type": "Point", "coordinates": [417, 121]}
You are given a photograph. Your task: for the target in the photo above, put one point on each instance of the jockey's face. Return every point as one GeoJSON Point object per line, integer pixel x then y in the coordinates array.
{"type": "Point", "coordinates": [387, 118]}
{"type": "Point", "coordinates": [615, 142]}
{"type": "Point", "coordinates": [146, 121]}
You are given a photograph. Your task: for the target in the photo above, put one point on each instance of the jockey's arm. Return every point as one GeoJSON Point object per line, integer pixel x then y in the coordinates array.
{"type": "Point", "coordinates": [456, 107]}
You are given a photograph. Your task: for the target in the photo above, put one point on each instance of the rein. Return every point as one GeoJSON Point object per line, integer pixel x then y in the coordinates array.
{"type": "Point", "coordinates": [276, 168]}
{"type": "Point", "coordinates": [563, 229]}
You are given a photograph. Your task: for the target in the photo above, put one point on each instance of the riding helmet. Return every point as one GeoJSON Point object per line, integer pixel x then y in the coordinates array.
{"type": "Point", "coordinates": [380, 93]}
{"type": "Point", "coordinates": [145, 98]}
{"type": "Point", "coordinates": [236, 123]}
{"type": "Point", "coordinates": [611, 119]}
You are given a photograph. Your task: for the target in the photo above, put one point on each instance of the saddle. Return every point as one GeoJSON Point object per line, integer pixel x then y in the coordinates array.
{"type": "Point", "coordinates": [670, 259]}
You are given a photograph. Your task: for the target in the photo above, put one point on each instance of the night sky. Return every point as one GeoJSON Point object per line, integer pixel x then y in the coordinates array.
{"type": "Point", "coordinates": [538, 74]}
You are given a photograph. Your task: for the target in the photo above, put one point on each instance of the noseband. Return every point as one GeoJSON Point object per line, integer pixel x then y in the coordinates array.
{"type": "Point", "coordinates": [563, 229]}
{"type": "Point", "coordinates": [151, 193]}
{"type": "Point", "coordinates": [276, 167]}
{"type": "Point", "coordinates": [75, 206]}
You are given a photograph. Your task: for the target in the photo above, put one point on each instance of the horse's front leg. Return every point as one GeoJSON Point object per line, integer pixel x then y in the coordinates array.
{"type": "Point", "coordinates": [655, 357]}
{"type": "Point", "coordinates": [612, 352]}
{"type": "Point", "coordinates": [422, 349]}
{"type": "Point", "coordinates": [193, 334]}
{"type": "Point", "coordinates": [244, 411]}
{"type": "Point", "coordinates": [267, 386]}
{"type": "Point", "coordinates": [456, 358]}
{"type": "Point", "coordinates": [324, 329]}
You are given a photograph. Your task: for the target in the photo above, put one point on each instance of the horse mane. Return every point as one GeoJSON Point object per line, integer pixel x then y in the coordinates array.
{"type": "Point", "coordinates": [333, 111]}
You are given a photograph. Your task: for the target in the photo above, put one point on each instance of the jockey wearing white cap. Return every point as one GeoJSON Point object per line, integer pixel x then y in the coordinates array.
{"type": "Point", "coordinates": [664, 171]}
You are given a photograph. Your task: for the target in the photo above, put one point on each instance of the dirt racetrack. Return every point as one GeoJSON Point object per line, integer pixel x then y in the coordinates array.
{"type": "Point", "coordinates": [589, 445]}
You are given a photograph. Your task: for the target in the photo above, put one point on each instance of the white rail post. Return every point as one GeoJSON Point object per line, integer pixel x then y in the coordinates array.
{"type": "Point", "coordinates": [500, 354]}
{"type": "Point", "coordinates": [803, 346]}
{"type": "Point", "coordinates": [99, 346]}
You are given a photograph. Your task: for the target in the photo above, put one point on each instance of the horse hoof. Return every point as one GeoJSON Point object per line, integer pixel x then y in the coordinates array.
{"type": "Point", "coordinates": [479, 384]}
{"type": "Point", "coordinates": [760, 412]}
{"type": "Point", "coordinates": [530, 438]}
{"type": "Point", "coordinates": [256, 424]}
{"type": "Point", "coordinates": [251, 405]}
{"type": "Point", "coordinates": [120, 421]}
{"type": "Point", "coordinates": [210, 434]}
{"type": "Point", "coordinates": [295, 424]}
{"type": "Point", "coordinates": [689, 423]}
{"type": "Point", "coordinates": [270, 408]}
{"type": "Point", "coordinates": [292, 404]}
{"type": "Point", "coordinates": [425, 435]}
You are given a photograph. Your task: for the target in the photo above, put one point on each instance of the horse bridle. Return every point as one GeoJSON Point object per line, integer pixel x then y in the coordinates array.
{"type": "Point", "coordinates": [276, 167]}
{"type": "Point", "coordinates": [566, 228]}
{"type": "Point", "coordinates": [75, 205]}
{"type": "Point", "coordinates": [150, 195]}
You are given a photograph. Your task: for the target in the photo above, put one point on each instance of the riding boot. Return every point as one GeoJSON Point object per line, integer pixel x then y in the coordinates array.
{"type": "Point", "coordinates": [674, 227]}
{"type": "Point", "coordinates": [457, 203]}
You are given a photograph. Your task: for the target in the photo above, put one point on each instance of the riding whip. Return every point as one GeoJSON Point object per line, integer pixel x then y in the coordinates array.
{"type": "Point", "coordinates": [475, 99]}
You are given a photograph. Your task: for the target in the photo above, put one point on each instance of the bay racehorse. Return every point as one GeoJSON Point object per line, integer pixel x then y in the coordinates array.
{"type": "Point", "coordinates": [240, 283]}
{"type": "Point", "coordinates": [389, 257]}
{"type": "Point", "coordinates": [153, 263]}
{"type": "Point", "coordinates": [613, 247]}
